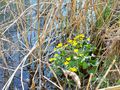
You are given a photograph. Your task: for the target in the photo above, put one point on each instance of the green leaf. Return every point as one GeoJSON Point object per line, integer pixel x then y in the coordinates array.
{"type": "Point", "coordinates": [63, 53]}
{"type": "Point", "coordinates": [118, 82]}
{"type": "Point", "coordinates": [106, 13]}
{"type": "Point", "coordinates": [88, 46]}
{"type": "Point", "coordinates": [93, 70]}
{"type": "Point", "coordinates": [80, 63]}
{"type": "Point", "coordinates": [58, 71]}
{"type": "Point", "coordinates": [72, 63]}
{"type": "Point", "coordinates": [94, 79]}
{"type": "Point", "coordinates": [85, 65]}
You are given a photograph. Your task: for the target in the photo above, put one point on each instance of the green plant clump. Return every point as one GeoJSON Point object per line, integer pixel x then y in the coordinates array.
{"type": "Point", "coordinates": [76, 55]}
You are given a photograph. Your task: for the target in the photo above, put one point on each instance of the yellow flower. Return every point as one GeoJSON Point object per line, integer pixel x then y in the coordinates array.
{"type": "Point", "coordinates": [76, 50]}
{"type": "Point", "coordinates": [74, 43]}
{"type": "Point", "coordinates": [88, 39]}
{"type": "Point", "coordinates": [80, 55]}
{"type": "Point", "coordinates": [52, 59]}
{"type": "Point", "coordinates": [81, 36]}
{"type": "Point", "coordinates": [55, 49]}
{"type": "Point", "coordinates": [59, 45]}
{"type": "Point", "coordinates": [70, 41]}
{"type": "Point", "coordinates": [80, 45]}
{"type": "Point", "coordinates": [65, 45]}
{"type": "Point", "coordinates": [68, 59]}
{"type": "Point", "coordinates": [66, 63]}
{"type": "Point", "coordinates": [56, 55]}
{"type": "Point", "coordinates": [76, 37]}
{"type": "Point", "coordinates": [73, 69]}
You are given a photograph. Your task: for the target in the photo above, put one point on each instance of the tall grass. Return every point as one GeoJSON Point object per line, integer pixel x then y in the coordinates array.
{"type": "Point", "coordinates": [29, 32]}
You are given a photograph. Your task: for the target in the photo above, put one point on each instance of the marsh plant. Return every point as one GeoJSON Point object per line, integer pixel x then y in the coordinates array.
{"type": "Point", "coordinates": [76, 55]}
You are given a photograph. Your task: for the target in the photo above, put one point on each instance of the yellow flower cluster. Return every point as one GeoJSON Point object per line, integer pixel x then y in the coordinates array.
{"type": "Point", "coordinates": [80, 37]}
{"type": "Point", "coordinates": [74, 43]}
{"type": "Point", "coordinates": [73, 69]}
{"type": "Point", "coordinates": [60, 45]}
{"type": "Point", "coordinates": [71, 53]}
{"type": "Point", "coordinates": [67, 61]}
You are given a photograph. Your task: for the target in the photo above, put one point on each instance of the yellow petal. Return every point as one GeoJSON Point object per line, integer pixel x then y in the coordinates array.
{"type": "Point", "coordinates": [59, 45]}
{"type": "Point", "coordinates": [68, 59]}
{"type": "Point", "coordinates": [74, 43]}
{"type": "Point", "coordinates": [73, 69]}
{"type": "Point", "coordinates": [88, 39]}
{"type": "Point", "coordinates": [56, 55]}
{"type": "Point", "coordinates": [76, 50]}
{"type": "Point", "coordinates": [65, 45]}
{"type": "Point", "coordinates": [51, 59]}
{"type": "Point", "coordinates": [66, 63]}
{"type": "Point", "coordinates": [70, 41]}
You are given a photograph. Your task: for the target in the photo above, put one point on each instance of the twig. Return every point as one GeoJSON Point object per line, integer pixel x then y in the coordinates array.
{"type": "Point", "coordinates": [52, 82]}
{"type": "Point", "coordinates": [117, 68]}
{"type": "Point", "coordinates": [112, 88]}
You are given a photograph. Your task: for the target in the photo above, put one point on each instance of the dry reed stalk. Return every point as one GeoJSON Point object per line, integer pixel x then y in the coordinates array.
{"type": "Point", "coordinates": [91, 75]}
{"type": "Point", "coordinates": [102, 79]}
{"type": "Point", "coordinates": [40, 71]}
{"type": "Point", "coordinates": [73, 6]}
{"type": "Point", "coordinates": [52, 82]}
{"type": "Point", "coordinates": [111, 88]}
{"type": "Point", "coordinates": [117, 68]}
{"type": "Point", "coordinates": [74, 76]}
{"type": "Point", "coordinates": [61, 88]}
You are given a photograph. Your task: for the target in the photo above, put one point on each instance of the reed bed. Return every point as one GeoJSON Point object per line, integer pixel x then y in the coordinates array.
{"type": "Point", "coordinates": [30, 30]}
